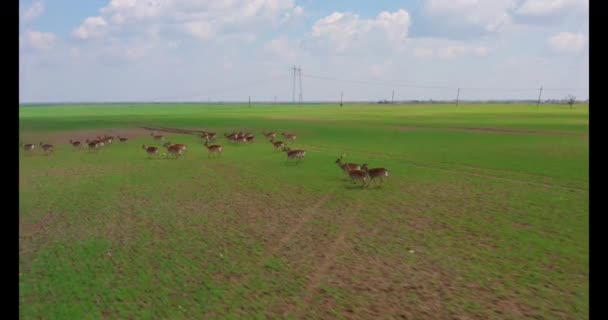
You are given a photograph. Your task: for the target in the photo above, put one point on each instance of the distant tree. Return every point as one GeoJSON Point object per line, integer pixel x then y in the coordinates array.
{"type": "Point", "coordinates": [570, 99]}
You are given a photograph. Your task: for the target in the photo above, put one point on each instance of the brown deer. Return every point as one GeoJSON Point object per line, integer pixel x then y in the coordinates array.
{"type": "Point", "coordinates": [375, 173]}
{"type": "Point", "coordinates": [75, 144]}
{"type": "Point", "coordinates": [93, 145]}
{"type": "Point", "coordinates": [123, 139]}
{"type": "Point", "coordinates": [175, 150]}
{"type": "Point", "coordinates": [249, 139]}
{"type": "Point", "coordinates": [108, 139]}
{"type": "Point", "coordinates": [278, 145]}
{"type": "Point", "coordinates": [359, 175]}
{"type": "Point", "coordinates": [209, 136]}
{"type": "Point", "coordinates": [48, 148]}
{"type": "Point", "coordinates": [294, 154]}
{"type": "Point", "coordinates": [269, 135]}
{"type": "Point", "coordinates": [152, 151]}
{"type": "Point", "coordinates": [214, 148]}
{"type": "Point", "coordinates": [157, 137]}
{"type": "Point", "coordinates": [28, 147]}
{"type": "Point", "coordinates": [346, 167]}
{"type": "Point", "coordinates": [289, 136]}
{"type": "Point", "coordinates": [179, 145]}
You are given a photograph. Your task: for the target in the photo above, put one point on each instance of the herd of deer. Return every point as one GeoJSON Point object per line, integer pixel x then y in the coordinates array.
{"type": "Point", "coordinates": [355, 171]}
{"type": "Point", "coordinates": [93, 145]}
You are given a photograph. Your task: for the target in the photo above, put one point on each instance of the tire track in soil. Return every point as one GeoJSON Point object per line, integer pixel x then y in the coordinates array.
{"type": "Point", "coordinates": [464, 172]}
{"type": "Point", "coordinates": [283, 241]}
{"type": "Point", "coordinates": [324, 268]}
{"type": "Point", "coordinates": [306, 217]}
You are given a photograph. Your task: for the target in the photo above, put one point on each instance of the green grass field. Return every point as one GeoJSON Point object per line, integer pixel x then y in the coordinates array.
{"type": "Point", "coordinates": [484, 215]}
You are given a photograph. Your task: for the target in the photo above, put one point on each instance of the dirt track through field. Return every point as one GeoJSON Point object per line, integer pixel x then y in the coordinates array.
{"type": "Point", "coordinates": [324, 268]}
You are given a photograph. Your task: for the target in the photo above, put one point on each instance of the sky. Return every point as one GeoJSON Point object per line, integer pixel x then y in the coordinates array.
{"type": "Point", "coordinates": [230, 50]}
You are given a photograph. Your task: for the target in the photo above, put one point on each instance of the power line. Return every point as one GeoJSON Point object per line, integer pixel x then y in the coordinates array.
{"type": "Point", "coordinates": [401, 84]}
{"type": "Point", "coordinates": [375, 82]}
{"type": "Point", "coordinates": [222, 90]}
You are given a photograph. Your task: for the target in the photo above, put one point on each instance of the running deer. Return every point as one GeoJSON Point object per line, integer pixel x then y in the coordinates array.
{"type": "Point", "coordinates": [347, 167]}
{"type": "Point", "coordinates": [375, 173]}
{"type": "Point", "coordinates": [209, 136]}
{"type": "Point", "coordinates": [152, 151]}
{"type": "Point", "coordinates": [93, 145]}
{"type": "Point", "coordinates": [108, 139]}
{"type": "Point", "coordinates": [48, 148]}
{"type": "Point", "coordinates": [123, 139]}
{"type": "Point", "coordinates": [157, 137]}
{"type": "Point", "coordinates": [75, 144]}
{"type": "Point", "coordinates": [294, 154]}
{"type": "Point", "coordinates": [359, 175]}
{"type": "Point", "coordinates": [214, 148]}
{"type": "Point", "coordinates": [175, 150]}
{"type": "Point", "coordinates": [278, 145]}
{"type": "Point", "coordinates": [178, 145]}
{"type": "Point", "coordinates": [269, 135]}
{"type": "Point", "coordinates": [289, 136]}
{"type": "Point", "coordinates": [28, 147]}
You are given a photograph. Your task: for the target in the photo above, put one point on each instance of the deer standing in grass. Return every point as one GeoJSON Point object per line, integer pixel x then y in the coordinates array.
{"type": "Point", "coordinates": [346, 167]}
{"type": "Point", "coordinates": [294, 154]}
{"type": "Point", "coordinates": [213, 149]}
{"type": "Point", "coordinates": [151, 151]}
{"type": "Point", "coordinates": [48, 148]}
{"type": "Point", "coordinates": [376, 173]}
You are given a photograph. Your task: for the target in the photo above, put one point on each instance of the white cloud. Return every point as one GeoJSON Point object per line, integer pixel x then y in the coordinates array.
{"type": "Point", "coordinates": [451, 51]}
{"type": "Point", "coordinates": [423, 53]}
{"type": "Point", "coordinates": [282, 48]}
{"type": "Point", "coordinates": [92, 27]}
{"type": "Point", "coordinates": [568, 42]}
{"type": "Point", "coordinates": [33, 11]}
{"type": "Point", "coordinates": [339, 30]}
{"type": "Point", "coordinates": [445, 49]}
{"type": "Point", "coordinates": [204, 20]}
{"type": "Point", "coordinates": [491, 15]}
{"type": "Point", "coordinates": [547, 7]}
{"type": "Point", "coordinates": [379, 71]}
{"type": "Point", "coordinates": [40, 40]}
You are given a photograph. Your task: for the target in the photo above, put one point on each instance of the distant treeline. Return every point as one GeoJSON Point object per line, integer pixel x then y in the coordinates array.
{"type": "Point", "coordinates": [131, 103]}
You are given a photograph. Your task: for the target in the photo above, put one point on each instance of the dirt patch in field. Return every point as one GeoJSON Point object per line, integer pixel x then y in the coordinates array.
{"type": "Point", "coordinates": [63, 137]}
{"type": "Point", "coordinates": [493, 130]}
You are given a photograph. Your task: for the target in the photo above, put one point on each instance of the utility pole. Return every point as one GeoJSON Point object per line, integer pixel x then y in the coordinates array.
{"type": "Point", "coordinates": [249, 101]}
{"type": "Point", "coordinates": [457, 96]}
{"type": "Point", "coordinates": [275, 99]}
{"type": "Point", "coordinates": [341, 96]}
{"type": "Point", "coordinates": [541, 92]}
{"type": "Point", "coordinates": [293, 90]}
{"type": "Point", "coordinates": [300, 78]}
{"type": "Point", "coordinates": [393, 97]}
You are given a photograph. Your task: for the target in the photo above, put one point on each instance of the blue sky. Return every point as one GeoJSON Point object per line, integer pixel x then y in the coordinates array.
{"type": "Point", "coordinates": [228, 50]}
